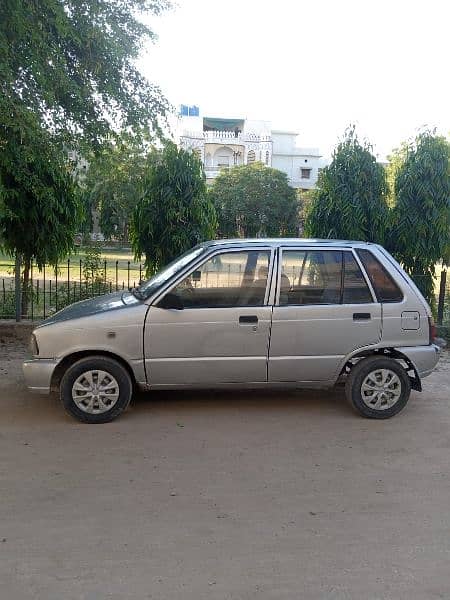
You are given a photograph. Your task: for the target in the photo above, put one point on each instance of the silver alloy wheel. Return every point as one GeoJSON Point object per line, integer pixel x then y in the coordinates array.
{"type": "Point", "coordinates": [381, 389]}
{"type": "Point", "coordinates": [95, 391]}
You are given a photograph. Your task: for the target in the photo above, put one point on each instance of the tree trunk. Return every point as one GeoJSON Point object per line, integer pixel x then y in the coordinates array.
{"type": "Point", "coordinates": [18, 288]}
{"type": "Point", "coordinates": [440, 311]}
{"type": "Point", "coordinates": [26, 286]}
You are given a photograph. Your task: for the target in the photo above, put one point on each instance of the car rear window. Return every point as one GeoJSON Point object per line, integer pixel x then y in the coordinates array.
{"type": "Point", "coordinates": [322, 277]}
{"type": "Point", "coordinates": [356, 290]}
{"type": "Point", "coordinates": [385, 287]}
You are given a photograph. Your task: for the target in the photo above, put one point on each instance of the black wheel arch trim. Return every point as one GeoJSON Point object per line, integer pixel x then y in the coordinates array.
{"type": "Point", "coordinates": [414, 378]}
{"type": "Point", "coordinates": [72, 358]}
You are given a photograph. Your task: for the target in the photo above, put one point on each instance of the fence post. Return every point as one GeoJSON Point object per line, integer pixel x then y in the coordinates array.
{"type": "Point", "coordinates": [68, 281]}
{"type": "Point", "coordinates": [440, 311]}
{"type": "Point", "coordinates": [18, 289]}
{"type": "Point", "coordinates": [32, 291]}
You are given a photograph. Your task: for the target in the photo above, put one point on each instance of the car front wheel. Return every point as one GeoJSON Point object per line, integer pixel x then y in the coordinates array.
{"type": "Point", "coordinates": [378, 387]}
{"type": "Point", "coordinates": [96, 389]}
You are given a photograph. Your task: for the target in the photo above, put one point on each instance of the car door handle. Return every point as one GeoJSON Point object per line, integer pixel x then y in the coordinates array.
{"type": "Point", "coordinates": [361, 316]}
{"type": "Point", "coordinates": [248, 319]}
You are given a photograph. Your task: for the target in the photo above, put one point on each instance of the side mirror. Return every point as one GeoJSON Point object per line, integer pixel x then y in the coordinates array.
{"type": "Point", "coordinates": [171, 301]}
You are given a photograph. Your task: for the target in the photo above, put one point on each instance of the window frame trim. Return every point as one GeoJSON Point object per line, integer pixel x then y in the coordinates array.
{"type": "Point", "coordinates": [366, 278]}
{"type": "Point", "coordinates": [341, 249]}
{"type": "Point", "coordinates": [198, 263]}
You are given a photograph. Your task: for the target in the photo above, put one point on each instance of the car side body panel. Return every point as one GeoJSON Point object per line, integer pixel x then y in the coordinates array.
{"type": "Point", "coordinates": [287, 346]}
{"type": "Point", "coordinates": [207, 345]}
{"type": "Point", "coordinates": [309, 342]}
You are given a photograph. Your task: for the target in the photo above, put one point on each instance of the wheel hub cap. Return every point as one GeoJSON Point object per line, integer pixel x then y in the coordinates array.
{"type": "Point", "coordinates": [381, 389]}
{"type": "Point", "coordinates": [95, 392]}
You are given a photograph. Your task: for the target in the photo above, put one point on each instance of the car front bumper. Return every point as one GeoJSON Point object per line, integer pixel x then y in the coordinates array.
{"type": "Point", "coordinates": [38, 374]}
{"type": "Point", "coordinates": [424, 358]}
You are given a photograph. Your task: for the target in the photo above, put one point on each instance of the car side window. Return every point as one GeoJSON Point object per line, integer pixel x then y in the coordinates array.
{"type": "Point", "coordinates": [226, 280]}
{"type": "Point", "coordinates": [311, 277]}
{"type": "Point", "coordinates": [385, 287]}
{"type": "Point", "coordinates": [356, 290]}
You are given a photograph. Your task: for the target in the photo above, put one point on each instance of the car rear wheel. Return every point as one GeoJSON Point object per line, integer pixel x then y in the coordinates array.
{"type": "Point", "coordinates": [378, 387]}
{"type": "Point", "coordinates": [96, 389]}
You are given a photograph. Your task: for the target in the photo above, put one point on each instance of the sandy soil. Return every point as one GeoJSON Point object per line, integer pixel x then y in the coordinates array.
{"type": "Point", "coordinates": [224, 496]}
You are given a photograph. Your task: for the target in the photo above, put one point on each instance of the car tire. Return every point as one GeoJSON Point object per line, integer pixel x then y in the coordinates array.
{"type": "Point", "coordinates": [378, 387]}
{"type": "Point", "coordinates": [96, 389]}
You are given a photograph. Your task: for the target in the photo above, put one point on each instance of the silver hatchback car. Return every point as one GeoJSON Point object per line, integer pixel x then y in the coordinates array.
{"type": "Point", "coordinates": [245, 313]}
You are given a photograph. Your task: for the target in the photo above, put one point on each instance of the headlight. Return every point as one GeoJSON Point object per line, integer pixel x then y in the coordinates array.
{"type": "Point", "coordinates": [34, 348]}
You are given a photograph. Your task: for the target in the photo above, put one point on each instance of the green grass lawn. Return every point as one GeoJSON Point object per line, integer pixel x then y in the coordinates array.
{"type": "Point", "coordinates": [111, 255]}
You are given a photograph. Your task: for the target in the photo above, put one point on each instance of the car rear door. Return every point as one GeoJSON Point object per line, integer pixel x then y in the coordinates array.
{"type": "Point", "coordinates": [325, 308]}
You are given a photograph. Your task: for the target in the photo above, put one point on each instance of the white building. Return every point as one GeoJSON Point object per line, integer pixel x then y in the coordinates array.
{"type": "Point", "coordinates": [223, 143]}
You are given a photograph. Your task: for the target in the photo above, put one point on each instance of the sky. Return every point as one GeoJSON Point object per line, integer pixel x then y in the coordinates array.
{"type": "Point", "coordinates": [312, 66]}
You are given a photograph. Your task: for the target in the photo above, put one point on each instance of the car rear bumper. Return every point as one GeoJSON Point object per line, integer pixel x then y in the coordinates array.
{"type": "Point", "coordinates": [38, 374]}
{"type": "Point", "coordinates": [424, 358]}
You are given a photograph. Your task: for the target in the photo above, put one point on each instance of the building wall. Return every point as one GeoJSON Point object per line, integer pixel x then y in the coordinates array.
{"type": "Point", "coordinates": [256, 142]}
{"type": "Point", "coordinates": [301, 165]}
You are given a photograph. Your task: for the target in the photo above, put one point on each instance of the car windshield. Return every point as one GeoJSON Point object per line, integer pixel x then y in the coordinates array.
{"type": "Point", "coordinates": [146, 289]}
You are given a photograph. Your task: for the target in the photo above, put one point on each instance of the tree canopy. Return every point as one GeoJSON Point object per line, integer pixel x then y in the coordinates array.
{"type": "Point", "coordinates": [175, 212]}
{"type": "Point", "coordinates": [68, 81]}
{"type": "Point", "coordinates": [350, 199]}
{"type": "Point", "coordinates": [39, 205]}
{"type": "Point", "coordinates": [420, 224]}
{"type": "Point", "coordinates": [114, 184]}
{"type": "Point", "coordinates": [254, 200]}
{"type": "Point", "coordinates": [71, 63]}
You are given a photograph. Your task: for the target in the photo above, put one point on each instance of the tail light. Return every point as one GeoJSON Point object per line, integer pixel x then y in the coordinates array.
{"type": "Point", "coordinates": [432, 329]}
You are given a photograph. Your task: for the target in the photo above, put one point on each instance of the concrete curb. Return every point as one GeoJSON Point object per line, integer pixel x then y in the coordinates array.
{"type": "Point", "coordinates": [10, 331]}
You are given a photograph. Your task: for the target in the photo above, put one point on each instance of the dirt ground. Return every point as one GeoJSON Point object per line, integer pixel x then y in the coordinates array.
{"type": "Point", "coordinates": [223, 496]}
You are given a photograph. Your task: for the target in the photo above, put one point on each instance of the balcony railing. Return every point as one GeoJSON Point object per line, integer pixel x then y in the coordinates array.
{"type": "Point", "coordinates": [226, 136]}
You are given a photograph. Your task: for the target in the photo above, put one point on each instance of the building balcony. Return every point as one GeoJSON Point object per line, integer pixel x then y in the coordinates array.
{"type": "Point", "coordinates": [226, 137]}
{"type": "Point", "coordinates": [214, 170]}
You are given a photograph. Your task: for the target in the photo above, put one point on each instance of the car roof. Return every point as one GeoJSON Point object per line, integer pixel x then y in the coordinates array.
{"type": "Point", "coordinates": [275, 242]}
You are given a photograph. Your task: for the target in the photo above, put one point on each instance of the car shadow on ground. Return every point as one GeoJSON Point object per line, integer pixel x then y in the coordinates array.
{"type": "Point", "coordinates": [244, 401]}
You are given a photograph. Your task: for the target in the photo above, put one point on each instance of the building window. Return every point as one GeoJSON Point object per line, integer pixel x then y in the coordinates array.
{"type": "Point", "coordinates": [267, 157]}
{"type": "Point", "coordinates": [251, 156]}
{"type": "Point", "coordinates": [306, 173]}
{"type": "Point", "coordinates": [223, 162]}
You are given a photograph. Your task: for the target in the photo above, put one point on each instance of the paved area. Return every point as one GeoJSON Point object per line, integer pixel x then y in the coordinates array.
{"type": "Point", "coordinates": [224, 496]}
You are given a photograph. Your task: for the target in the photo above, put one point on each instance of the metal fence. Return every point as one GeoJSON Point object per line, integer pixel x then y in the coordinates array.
{"type": "Point", "coordinates": [50, 289]}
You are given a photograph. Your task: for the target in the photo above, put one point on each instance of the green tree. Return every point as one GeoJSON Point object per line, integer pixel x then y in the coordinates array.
{"type": "Point", "coordinates": [39, 205]}
{"type": "Point", "coordinates": [420, 229]}
{"type": "Point", "coordinates": [350, 199]}
{"type": "Point", "coordinates": [113, 184]}
{"type": "Point", "coordinates": [255, 200]}
{"type": "Point", "coordinates": [175, 212]}
{"type": "Point", "coordinates": [68, 80]}
{"type": "Point", "coordinates": [72, 64]}
{"type": "Point", "coordinates": [395, 161]}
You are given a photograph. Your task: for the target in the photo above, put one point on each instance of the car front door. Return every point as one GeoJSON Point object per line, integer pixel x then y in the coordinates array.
{"type": "Point", "coordinates": [212, 326]}
{"type": "Point", "coordinates": [325, 310]}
